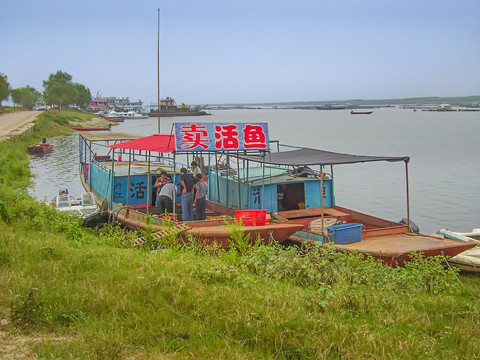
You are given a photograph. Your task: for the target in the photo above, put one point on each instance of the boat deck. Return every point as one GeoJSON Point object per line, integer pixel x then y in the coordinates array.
{"type": "Point", "coordinates": [302, 213]}
{"type": "Point", "coordinates": [401, 243]}
{"type": "Point", "coordinates": [395, 249]}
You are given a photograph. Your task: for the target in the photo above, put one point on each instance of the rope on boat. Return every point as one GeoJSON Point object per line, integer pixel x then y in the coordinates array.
{"type": "Point", "coordinates": [177, 229]}
{"type": "Point", "coordinates": [458, 279]}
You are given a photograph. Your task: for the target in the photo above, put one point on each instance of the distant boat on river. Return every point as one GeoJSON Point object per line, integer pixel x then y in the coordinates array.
{"type": "Point", "coordinates": [40, 148]}
{"type": "Point", "coordinates": [361, 112]}
{"type": "Point", "coordinates": [168, 108]}
{"type": "Point", "coordinates": [97, 128]}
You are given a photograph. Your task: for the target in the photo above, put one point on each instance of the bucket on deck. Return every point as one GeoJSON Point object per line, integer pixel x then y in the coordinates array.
{"type": "Point", "coordinates": [251, 217]}
{"type": "Point", "coordinates": [345, 233]}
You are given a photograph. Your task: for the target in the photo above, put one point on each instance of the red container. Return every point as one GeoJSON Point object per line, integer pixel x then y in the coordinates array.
{"type": "Point", "coordinates": [251, 217]}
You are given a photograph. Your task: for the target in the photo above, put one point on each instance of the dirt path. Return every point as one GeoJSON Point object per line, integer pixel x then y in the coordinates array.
{"type": "Point", "coordinates": [13, 123]}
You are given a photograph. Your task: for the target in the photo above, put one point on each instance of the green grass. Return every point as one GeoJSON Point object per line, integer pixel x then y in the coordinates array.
{"type": "Point", "coordinates": [10, 109]}
{"type": "Point", "coordinates": [68, 292]}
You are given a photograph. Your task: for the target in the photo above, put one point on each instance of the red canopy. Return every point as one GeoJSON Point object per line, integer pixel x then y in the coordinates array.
{"type": "Point", "coordinates": [157, 142]}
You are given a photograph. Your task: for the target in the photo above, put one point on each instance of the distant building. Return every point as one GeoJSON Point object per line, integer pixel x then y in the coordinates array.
{"type": "Point", "coordinates": [99, 104]}
{"type": "Point", "coordinates": [104, 104]}
{"type": "Point", "coordinates": [444, 107]}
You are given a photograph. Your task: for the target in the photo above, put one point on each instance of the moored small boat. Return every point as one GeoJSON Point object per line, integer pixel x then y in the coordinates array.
{"type": "Point", "coordinates": [40, 148]}
{"type": "Point", "coordinates": [84, 207]}
{"type": "Point", "coordinates": [356, 112]}
{"type": "Point", "coordinates": [168, 108]}
{"type": "Point", "coordinates": [97, 128]}
{"type": "Point", "coordinates": [468, 261]}
{"type": "Point", "coordinates": [120, 116]}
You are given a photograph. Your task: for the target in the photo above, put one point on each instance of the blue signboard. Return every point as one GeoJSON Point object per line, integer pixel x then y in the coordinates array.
{"type": "Point", "coordinates": [136, 190]}
{"type": "Point", "coordinates": [221, 137]}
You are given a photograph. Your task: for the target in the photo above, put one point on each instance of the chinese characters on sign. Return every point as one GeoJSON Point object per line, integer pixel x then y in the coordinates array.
{"type": "Point", "coordinates": [220, 137]}
{"type": "Point", "coordinates": [135, 190]}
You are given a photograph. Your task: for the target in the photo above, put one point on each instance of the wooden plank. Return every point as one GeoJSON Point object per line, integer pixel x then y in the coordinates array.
{"type": "Point", "coordinates": [316, 212]}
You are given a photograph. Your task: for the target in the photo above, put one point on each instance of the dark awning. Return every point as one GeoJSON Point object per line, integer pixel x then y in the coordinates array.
{"type": "Point", "coordinates": [305, 157]}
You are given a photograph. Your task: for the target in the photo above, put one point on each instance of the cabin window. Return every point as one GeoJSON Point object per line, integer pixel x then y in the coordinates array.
{"type": "Point", "coordinates": [290, 196]}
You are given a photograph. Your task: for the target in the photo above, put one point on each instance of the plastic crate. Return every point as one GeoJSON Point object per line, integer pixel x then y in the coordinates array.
{"type": "Point", "coordinates": [251, 217]}
{"type": "Point", "coordinates": [345, 233]}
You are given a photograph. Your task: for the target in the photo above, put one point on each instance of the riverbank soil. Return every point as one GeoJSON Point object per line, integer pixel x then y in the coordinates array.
{"type": "Point", "coordinates": [92, 122]}
{"type": "Point", "coordinates": [16, 123]}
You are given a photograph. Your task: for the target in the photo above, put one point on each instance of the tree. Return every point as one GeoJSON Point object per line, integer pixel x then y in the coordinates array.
{"type": "Point", "coordinates": [83, 95]}
{"type": "Point", "coordinates": [60, 90]}
{"type": "Point", "coordinates": [16, 96]}
{"type": "Point", "coordinates": [27, 96]}
{"type": "Point", "coordinates": [61, 94]}
{"type": "Point", "coordinates": [4, 88]}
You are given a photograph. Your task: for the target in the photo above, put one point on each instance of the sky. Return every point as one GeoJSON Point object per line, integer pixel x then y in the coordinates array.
{"type": "Point", "coordinates": [250, 51]}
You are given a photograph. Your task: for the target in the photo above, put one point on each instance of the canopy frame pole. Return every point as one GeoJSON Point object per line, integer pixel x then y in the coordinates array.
{"type": "Point", "coordinates": [408, 195]}
{"type": "Point", "coordinates": [128, 178]}
{"type": "Point", "coordinates": [148, 184]}
{"type": "Point", "coordinates": [239, 185]}
{"type": "Point", "coordinates": [208, 174]}
{"type": "Point", "coordinates": [321, 199]}
{"type": "Point", "coordinates": [174, 187]}
{"type": "Point", "coordinates": [90, 167]}
{"type": "Point", "coordinates": [263, 181]}
{"type": "Point", "coordinates": [158, 71]}
{"type": "Point", "coordinates": [112, 180]}
{"type": "Point", "coordinates": [226, 178]}
{"type": "Point", "coordinates": [218, 180]}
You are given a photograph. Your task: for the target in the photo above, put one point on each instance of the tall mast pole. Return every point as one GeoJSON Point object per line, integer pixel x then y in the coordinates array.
{"type": "Point", "coordinates": [158, 72]}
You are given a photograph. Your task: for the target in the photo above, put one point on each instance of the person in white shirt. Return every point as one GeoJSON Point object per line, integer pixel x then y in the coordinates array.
{"type": "Point", "coordinates": [200, 201]}
{"type": "Point", "coordinates": [166, 196]}
{"type": "Point", "coordinates": [195, 169]}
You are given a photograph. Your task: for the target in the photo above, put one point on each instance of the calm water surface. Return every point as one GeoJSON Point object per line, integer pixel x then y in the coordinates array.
{"type": "Point", "coordinates": [444, 170]}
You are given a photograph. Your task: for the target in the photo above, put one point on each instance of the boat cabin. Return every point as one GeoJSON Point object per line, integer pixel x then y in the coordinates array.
{"type": "Point", "coordinates": [271, 188]}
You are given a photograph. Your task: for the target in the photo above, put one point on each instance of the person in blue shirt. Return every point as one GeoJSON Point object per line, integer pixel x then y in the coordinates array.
{"type": "Point", "coordinates": [186, 184]}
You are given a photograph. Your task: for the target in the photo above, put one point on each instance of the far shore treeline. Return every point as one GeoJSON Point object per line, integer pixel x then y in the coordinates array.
{"type": "Point", "coordinates": [59, 91]}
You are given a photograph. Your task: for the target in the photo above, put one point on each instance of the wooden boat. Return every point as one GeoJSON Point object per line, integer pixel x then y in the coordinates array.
{"type": "Point", "coordinates": [131, 200]}
{"type": "Point", "coordinates": [98, 128]}
{"type": "Point", "coordinates": [361, 112]}
{"type": "Point", "coordinates": [293, 192]}
{"type": "Point", "coordinates": [284, 185]}
{"type": "Point", "coordinates": [209, 232]}
{"type": "Point", "coordinates": [168, 108]}
{"type": "Point", "coordinates": [390, 242]}
{"type": "Point", "coordinates": [468, 261]}
{"type": "Point", "coordinates": [40, 148]}
{"type": "Point", "coordinates": [114, 119]}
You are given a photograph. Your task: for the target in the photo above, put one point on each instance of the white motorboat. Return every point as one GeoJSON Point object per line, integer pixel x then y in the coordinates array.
{"type": "Point", "coordinates": [469, 260]}
{"type": "Point", "coordinates": [124, 115]}
{"type": "Point", "coordinates": [84, 207]}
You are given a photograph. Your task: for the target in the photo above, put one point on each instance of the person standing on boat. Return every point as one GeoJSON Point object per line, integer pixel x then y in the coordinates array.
{"type": "Point", "coordinates": [187, 196]}
{"type": "Point", "coordinates": [195, 169]}
{"type": "Point", "coordinates": [200, 201]}
{"type": "Point", "coordinates": [158, 185]}
{"type": "Point", "coordinates": [166, 196]}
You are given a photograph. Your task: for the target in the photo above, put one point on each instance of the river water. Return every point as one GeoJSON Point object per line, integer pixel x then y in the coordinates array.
{"type": "Point", "coordinates": [444, 169]}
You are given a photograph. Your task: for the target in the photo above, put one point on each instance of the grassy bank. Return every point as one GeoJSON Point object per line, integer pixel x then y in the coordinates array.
{"type": "Point", "coordinates": [68, 292]}
{"type": "Point", "coordinates": [10, 109]}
